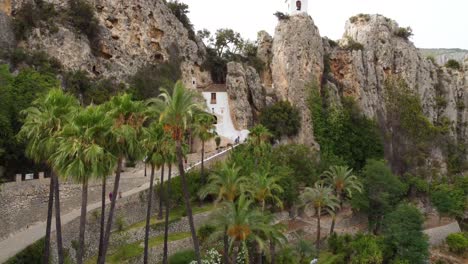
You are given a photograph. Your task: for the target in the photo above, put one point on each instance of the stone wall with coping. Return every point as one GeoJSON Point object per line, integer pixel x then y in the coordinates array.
{"type": "Point", "coordinates": [437, 235]}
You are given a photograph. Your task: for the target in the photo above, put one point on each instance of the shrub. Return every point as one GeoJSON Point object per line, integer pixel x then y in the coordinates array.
{"type": "Point", "coordinates": [148, 80]}
{"type": "Point", "coordinates": [457, 243]}
{"type": "Point", "coordinates": [403, 236]}
{"type": "Point", "coordinates": [281, 15]}
{"type": "Point", "coordinates": [453, 64]}
{"type": "Point", "coordinates": [332, 43]}
{"type": "Point", "coordinates": [33, 14]}
{"type": "Point", "coordinates": [82, 17]}
{"type": "Point", "coordinates": [205, 231]}
{"type": "Point", "coordinates": [432, 59]}
{"type": "Point", "coordinates": [38, 60]}
{"type": "Point", "coordinates": [180, 10]}
{"type": "Point", "coordinates": [448, 200]}
{"type": "Point", "coordinates": [344, 133]}
{"type": "Point", "coordinates": [281, 119]}
{"type": "Point", "coordinates": [31, 254]}
{"type": "Point", "coordinates": [182, 257]}
{"type": "Point", "coordinates": [354, 45]}
{"type": "Point", "coordinates": [120, 223]}
{"type": "Point", "coordinates": [405, 33]}
{"type": "Point", "coordinates": [365, 17]}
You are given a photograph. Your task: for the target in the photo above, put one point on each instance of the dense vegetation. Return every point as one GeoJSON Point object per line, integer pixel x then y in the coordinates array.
{"type": "Point", "coordinates": [345, 135]}
{"type": "Point", "coordinates": [224, 46]}
{"type": "Point", "coordinates": [282, 119]}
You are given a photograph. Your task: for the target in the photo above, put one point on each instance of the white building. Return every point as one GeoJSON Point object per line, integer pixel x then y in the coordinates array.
{"type": "Point", "coordinates": [297, 6]}
{"type": "Point", "coordinates": [217, 101]}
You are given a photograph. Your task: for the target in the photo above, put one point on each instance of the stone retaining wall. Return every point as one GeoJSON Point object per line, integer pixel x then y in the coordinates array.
{"type": "Point", "coordinates": [437, 235]}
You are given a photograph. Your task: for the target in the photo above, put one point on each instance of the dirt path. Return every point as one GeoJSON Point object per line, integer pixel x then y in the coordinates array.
{"type": "Point", "coordinates": [20, 240]}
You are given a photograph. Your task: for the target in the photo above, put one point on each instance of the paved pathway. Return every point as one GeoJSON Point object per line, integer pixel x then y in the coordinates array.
{"type": "Point", "coordinates": [17, 242]}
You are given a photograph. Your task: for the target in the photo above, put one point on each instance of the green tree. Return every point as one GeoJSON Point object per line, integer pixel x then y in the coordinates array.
{"type": "Point", "coordinates": [179, 110]}
{"type": "Point", "coordinates": [259, 141]}
{"type": "Point", "coordinates": [382, 192]}
{"type": "Point", "coordinates": [204, 129]}
{"type": "Point", "coordinates": [344, 132]}
{"type": "Point", "coordinates": [170, 158]}
{"type": "Point", "coordinates": [301, 159]}
{"type": "Point", "coordinates": [124, 142]}
{"type": "Point", "coordinates": [42, 124]}
{"type": "Point", "coordinates": [240, 221]}
{"type": "Point", "coordinates": [343, 182]}
{"type": "Point", "coordinates": [366, 249]}
{"type": "Point", "coordinates": [320, 197]}
{"type": "Point", "coordinates": [153, 142]}
{"type": "Point", "coordinates": [263, 186]}
{"type": "Point", "coordinates": [282, 119]}
{"type": "Point", "coordinates": [225, 183]}
{"type": "Point", "coordinates": [448, 200]}
{"type": "Point", "coordinates": [457, 242]}
{"type": "Point", "coordinates": [81, 156]}
{"type": "Point", "coordinates": [180, 10]}
{"type": "Point", "coordinates": [403, 236]}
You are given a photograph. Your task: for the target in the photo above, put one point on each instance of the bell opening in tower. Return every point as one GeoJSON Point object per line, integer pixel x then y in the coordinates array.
{"type": "Point", "coordinates": [298, 5]}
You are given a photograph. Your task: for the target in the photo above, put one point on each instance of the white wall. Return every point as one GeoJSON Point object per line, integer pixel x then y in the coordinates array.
{"type": "Point", "coordinates": [224, 127]}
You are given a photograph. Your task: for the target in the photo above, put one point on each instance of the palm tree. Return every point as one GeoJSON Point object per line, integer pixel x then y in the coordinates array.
{"type": "Point", "coordinates": [225, 183]}
{"type": "Point", "coordinates": [343, 182]}
{"type": "Point", "coordinates": [240, 221]}
{"type": "Point", "coordinates": [128, 117]}
{"type": "Point", "coordinates": [180, 109]}
{"type": "Point", "coordinates": [262, 186]}
{"type": "Point", "coordinates": [320, 197]}
{"type": "Point", "coordinates": [170, 158]}
{"type": "Point", "coordinates": [80, 157]}
{"type": "Point", "coordinates": [258, 140]}
{"type": "Point", "coordinates": [204, 129]}
{"type": "Point", "coordinates": [43, 121]}
{"type": "Point", "coordinates": [153, 141]}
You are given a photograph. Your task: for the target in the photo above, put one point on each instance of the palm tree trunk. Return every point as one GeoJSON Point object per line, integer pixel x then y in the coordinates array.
{"type": "Point", "coordinates": [202, 170]}
{"type": "Point", "coordinates": [81, 240]}
{"type": "Point", "coordinates": [168, 207]}
{"type": "Point", "coordinates": [148, 215]}
{"type": "Point", "coordinates": [50, 207]}
{"type": "Point", "coordinates": [161, 193]}
{"type": "Point", "coordinates": [272, 252]}
{"type": "Point", "coordinates": [318, 229]}
{"type": "Point", "coordinates": [259, 255]}
{"type": "Point", "coordinates": [187, 201]}
{"type": "Point", "coordinates": [105, 245]}
{"type": "Point", "coordinates": [237, 246]}
{"type": "Point", "coordinates": [58, 221]}
{"type": "Point", "coordinates": [103, 215]}
{"type": "Point", "coordinates": [226, 246]}
{"type": "Point", "coordinates": [332, 224]}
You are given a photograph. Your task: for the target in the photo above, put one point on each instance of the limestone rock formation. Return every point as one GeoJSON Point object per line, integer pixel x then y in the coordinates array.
{"type": "Point", "coordinates": [264, 53]}
{"type": "Point", "coordinates": [132, 34]}
{"type": "Point", "coordinates": [361, 74]}
{"type": "Point", "coordinates": [7, 37]}
{"type": "Point", "coordinates": [237, 88]}
{"type": "Point", "coordinates": [297, 63]}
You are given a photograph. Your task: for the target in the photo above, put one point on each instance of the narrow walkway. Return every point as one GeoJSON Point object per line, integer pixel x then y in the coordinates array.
{"type": "Point", "coordinates": [19, 241]}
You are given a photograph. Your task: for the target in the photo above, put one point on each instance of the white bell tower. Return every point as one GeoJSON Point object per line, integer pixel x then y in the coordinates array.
{"type": "Point", "coordinates": [297, 6]}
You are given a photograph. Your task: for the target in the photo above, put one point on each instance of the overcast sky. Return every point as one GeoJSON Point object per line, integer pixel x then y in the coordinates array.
{"type": "Point", "coordinates": [435, 23]}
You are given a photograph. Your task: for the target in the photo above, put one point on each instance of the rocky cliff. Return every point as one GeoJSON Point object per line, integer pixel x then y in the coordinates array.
{"type": "Point", "coordinates": [131, 35]}
{"type": "Point", "coordinates": [370, 52]}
